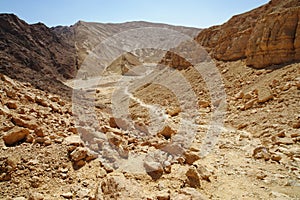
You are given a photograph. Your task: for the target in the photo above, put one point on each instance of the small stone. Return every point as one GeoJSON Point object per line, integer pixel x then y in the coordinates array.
{"type": "Point", "coordinates": [15, 135]}
{"type": "Point", "coordinates": [40, 140]}
{"type": "Point", "coordinates": [35, 182]}
{"type": "Point", "coordinates": [73, 140]}
{"type": "Point", "coordinates": [78, 154]}
{"type": "Point", "coordinates": [36, 196]}
{"type": "Point", "coordinates": [173, 111]}
{"type": "Point", "coordinates": [167, 132]}
{"type": "Point", "coordinates": [191, 157]}
{"type": "Point", "coordinates": [154, 169]}
{"type": "Point", "coordinates": [39, 132]}
{"type": "Point", "coordinates": [167, 167]}
{"type": "Point", "coordinates": [54, 99]}
{"type": "Point", "coordinates": [19, 198]}
{"type": "Point", "coordinates": [261, 153]}
{"type": "Point", "coordinates": [11, 105]}
{"type": "Point", "coordinates": [295, 135]}
{"type": "Point", "coordinates": [192, 193]}
{"type": "Point", "coordinates": [239, 95]}
{"type": "Point", "coordinates": [19, 122]}
{"type": "Point", "coordinates": [72, 130]}
{"type": "Point", "coordinates": [247, 96]}
{"type": "Point", "coordinates": [67, 195]}
{"type": "Point", "coordinates": [248, 104]}
{"type": "Point", "coordinates": [193, 177]}
{"type": "Point", "coordinates": [29, 138]}
{"type": "Point", "coordinates": [287, 141]}
{"type": "Point", "coordinates": [203, 172]}
{"type": "Point", "coordinates": [203, 104]}
{"type": "Point", "coordinates": [41, 101]}
{"type": "Point", "coordinates": [276, 157]}
{"type": "Point", "coordinates": [281, 134]}
{"type": "Point", "coordinates": [163, 196]}
{"type": "Point", "coordinates": [264, 94]}
{"type": "Point", "coordinates": [91, 155]}
{"type": "Point", "coordinates": [79, 164]}
{"type": "Point", "coordinates": [29, 97]}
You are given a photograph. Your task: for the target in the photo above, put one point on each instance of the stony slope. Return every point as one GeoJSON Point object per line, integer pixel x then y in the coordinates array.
{"type": "Point", "coordinates": [35, 54]}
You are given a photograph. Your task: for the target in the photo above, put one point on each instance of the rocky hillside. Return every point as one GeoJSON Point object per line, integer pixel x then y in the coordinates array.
{"type": "Point", "coordinates": [87, 35]}
{"type": "Point", "coordinates": [264, 36]}
{"type": "Point", "coordinates": [34, 53]}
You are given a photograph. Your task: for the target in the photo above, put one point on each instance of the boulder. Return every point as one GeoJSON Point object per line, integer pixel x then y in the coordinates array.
{"type": "Point", "coordinates": [15, 135]}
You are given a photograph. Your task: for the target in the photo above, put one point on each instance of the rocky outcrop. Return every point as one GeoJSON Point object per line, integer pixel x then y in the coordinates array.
{"type": "Point", "coordinates": [264, 36]}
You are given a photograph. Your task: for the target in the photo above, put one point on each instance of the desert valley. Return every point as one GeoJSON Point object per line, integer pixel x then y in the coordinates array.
{"type": "Point", "coordinates": [142, 110]}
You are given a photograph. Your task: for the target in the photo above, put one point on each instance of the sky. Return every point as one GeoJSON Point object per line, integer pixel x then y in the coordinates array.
{"type": "Point", "coordinates": [194, 13]}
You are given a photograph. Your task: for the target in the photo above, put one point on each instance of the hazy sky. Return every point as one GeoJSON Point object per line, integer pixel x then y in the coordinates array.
{"type": "Point", "coordinates": [197, 13]}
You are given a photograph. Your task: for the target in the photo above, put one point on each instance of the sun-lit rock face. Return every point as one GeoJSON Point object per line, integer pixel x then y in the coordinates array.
{"type": "Point", "coordinates": [264, 36]}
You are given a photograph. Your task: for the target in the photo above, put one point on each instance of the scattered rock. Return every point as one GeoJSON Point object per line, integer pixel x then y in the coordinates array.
{"type": "Point", "coordinates": [164, 195]}
{"type": "Point", "coordinates": [67, 195]}
{"type": "Point", "coordinates": [36, 196]}
{"type": "Point", "coordinates": [239, 95]}
{"type": "Point", "coordinates": [41, 101]}
{"type": "Point", "coordinates": [193, 178]}
{"type": "Point", "coordinates": [167, 132]}
{"type": "Point", "coordinates": [264, 94]}
{"type": "Point", "coordinates": [276, 157]}
{"type": "Point", "coordinates": [203, 104]}
{"type": "Point", "coordinates": [15, 135]}
{"type": "Point", "coordinates": [39, 132]}
{"type": "Point", "coordinates": [154, 169]}
{"type": "Point", "coordinates": [191, 157]}
{"type": "Point", "coordinates": [78, 154]}
{"type": "Point", "coordinates": [261, 153]}
{"type": "Point", "coordinates": [73, 140]}
{"type": "Point", "coordinates": [11, 105]}
{"type": "Point", "coordinates": [286, 140]}
{"type": "Point", "coordinates": [248, 104]}
{"type": "Point", "coordinates": [20, 122]}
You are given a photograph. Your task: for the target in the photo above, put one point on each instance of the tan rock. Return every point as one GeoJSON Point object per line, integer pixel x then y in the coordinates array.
{"type": "Point", "coordinates": [248, 104]}
{"type": "Point", "coordinates": [39, 100]}
{"type": "Point", "coordinates": [67, 195]}
{"type": "Point", "coordinates": [154, 169]}
{"type": "Point", "coordinates": [239, 95]}
{"type": "Point", "coordinates": [276, 157]}
{"type": "Point", "coordinates": [11, 105]}
{"type": "Point", "coordinates": [164, 195]}
{"type": "Point", "coordinates": [78, 154]}
{"type": "Point", "coordinates": [15, 135]}
{"type": "Point", "coordinates": [167, 132]}
{"type": "Point", "coordinates": [261, 153]}
{"type": "Point", "coordinates": [36, 196]}
{"type": "Point", "coordinates": [39, 132]}
{"type": "Point", "coordinates": [264, 94]}
{"type": "Point", "coordinates": [193, 178]}
{"type": "Point", "coordinates": [286, 140]}
{"type": "Point", "coordinates": [203, 104]}
{"type": "Point", "coordinates": [191, 157]}
{"type": "Point", "coordinates": [73, 140]}
{"type": "Point", "coordinates": [26, 124]}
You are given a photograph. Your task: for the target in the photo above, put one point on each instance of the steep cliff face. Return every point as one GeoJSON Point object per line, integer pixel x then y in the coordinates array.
{"type": "Point", "coordinates": [264, 36]}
